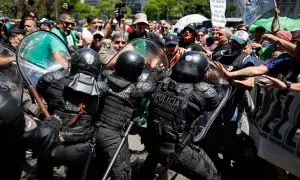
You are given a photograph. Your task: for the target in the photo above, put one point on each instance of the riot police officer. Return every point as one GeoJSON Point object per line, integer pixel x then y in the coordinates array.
{"type": "Point", "coordinates": [174, 109]}
{"type": "Point", "coordinates": [12, 151]}
{"type": "Point", "coordinates": [125, 92]}
{"type": "Point", "coordinates": [74, 96]}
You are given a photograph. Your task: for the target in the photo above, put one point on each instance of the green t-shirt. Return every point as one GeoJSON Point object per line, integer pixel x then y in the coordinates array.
{"type": "Point", "coordinates": [39, 50]}
{"type": "Point", "coordinates": [70, 40]}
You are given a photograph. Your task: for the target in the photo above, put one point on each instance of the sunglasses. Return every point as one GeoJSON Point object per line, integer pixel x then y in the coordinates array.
{"type": "Point", "coordinates": [188, 30]}
{"type": "Point", "coordinates": [68, 23]}
{"type": "Point", "coordinates": [171, 45]}
{"type": "Point", "coordinates": [118, 42]}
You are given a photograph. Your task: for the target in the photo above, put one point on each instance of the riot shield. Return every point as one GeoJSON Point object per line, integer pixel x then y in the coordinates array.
{"type": "Point", "coordinates": [223, 89]}
{"type": "Point", "coordinates": [153, 54]}
{"type": "Point", "coordinates": [41, 52]}
{"type": "Point", "coordinates": [10, 79]}
{"type": "Point", "coordinates": [38, 53]}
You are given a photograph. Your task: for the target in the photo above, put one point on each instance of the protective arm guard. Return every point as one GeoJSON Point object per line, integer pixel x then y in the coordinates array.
{"type": "Point", "coordinates": [45, 137]}
{"type": "Point", "coordinates": [48, 78]}
{"type": "Point", "coordinates": [209, 94]}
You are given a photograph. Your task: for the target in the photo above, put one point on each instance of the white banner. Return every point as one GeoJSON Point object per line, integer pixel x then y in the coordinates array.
{"type": "Point", "coordinates": [256, 8]}
{"type": "Point", "coordinates": [218, 9]}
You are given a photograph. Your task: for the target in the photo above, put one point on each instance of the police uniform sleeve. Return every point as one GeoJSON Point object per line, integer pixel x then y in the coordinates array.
{"type": "Point", "coordinates": [146, 87]}
{"type": "Point", "coordinates": [47, 79]}
{"type": "Point", "coordinates": [209, 94]}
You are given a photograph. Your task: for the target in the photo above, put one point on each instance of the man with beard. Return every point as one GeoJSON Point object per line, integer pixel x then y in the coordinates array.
{"type": "Point", "coordinates": [120, 105]}
{"type": "Point", "coordinates": [75, 97]}
{"type": "Point", "coordinates": [172, 49]}
{"type": "Point", "coordinates": [141, 24]}
{"type": "Point", "coordinates": [65, 31]}
{"type": "Point", "coordinates": [174, 109]}
{"type": "Point", "coordinates": [187, 39]}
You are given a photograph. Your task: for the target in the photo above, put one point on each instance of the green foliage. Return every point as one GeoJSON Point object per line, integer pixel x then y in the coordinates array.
{"type": "Point", "coordinates": [107, 8]}
{"type": "Point", "coordinates": [174, 9]}
{"type": "Point", "coordinates": [230, 10]}
{"type": "Point", "coordinates": [10, 8]}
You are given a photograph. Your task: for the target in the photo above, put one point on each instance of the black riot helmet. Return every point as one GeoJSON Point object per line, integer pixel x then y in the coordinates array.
{"type": "Point", "coordinates": [130, 65]}
{"type": "Point", "coordinates": [190, 68]}
{"type": "Point", "coordinates": [85, 61]}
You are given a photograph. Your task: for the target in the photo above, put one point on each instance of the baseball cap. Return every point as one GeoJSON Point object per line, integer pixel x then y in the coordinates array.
{"type": "Point", "coordinates": [45, 21]}
{"type": "Point", "coordinates": [98, 33]}
{"type": "Point", "coordinates": [189, 27]}
{"type": "Point", "coordinates": [240, 36]}
{"type": "Point", "coordinates": [171, 39]}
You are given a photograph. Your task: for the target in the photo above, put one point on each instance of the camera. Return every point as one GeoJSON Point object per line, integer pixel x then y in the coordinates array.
{"type": "Point", "coordinates": [120, 12]}
{"type": "Point", "coordinates": [120, 4]}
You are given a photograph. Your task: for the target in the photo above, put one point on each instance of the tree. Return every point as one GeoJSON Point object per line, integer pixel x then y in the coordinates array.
{"type": "Point", "coordinates": [11, 8]}
{"type": "Point", "coordinates": [230, 10]}
{"type": "Point", "coordinates": [175, 9]}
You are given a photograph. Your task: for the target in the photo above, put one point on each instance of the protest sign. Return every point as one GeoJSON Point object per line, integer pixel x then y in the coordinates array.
{"type": "Point", "coordinates": [218, 9]}
{"type": "Point", "coordinates": [255, 9]}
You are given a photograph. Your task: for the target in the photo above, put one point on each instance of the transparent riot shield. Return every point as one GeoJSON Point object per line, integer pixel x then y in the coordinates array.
{"type": "Point", "coordinates": [153, 54]}
{"type": "Point", "coordinates": [223, 89]}
{"type": "Point", "coordinates": [10, 79]}
{"type": "Point", "coordinates": [38, 53]}
{"type": "Point", "coordinates": [41, 52]}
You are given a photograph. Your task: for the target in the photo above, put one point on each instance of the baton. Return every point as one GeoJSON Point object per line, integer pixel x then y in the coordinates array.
{"type": "Point", "coordinates": [118, 150]}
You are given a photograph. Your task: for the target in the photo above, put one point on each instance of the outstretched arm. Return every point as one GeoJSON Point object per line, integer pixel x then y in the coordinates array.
{"type": "Point", "coordinates": [245, 72]}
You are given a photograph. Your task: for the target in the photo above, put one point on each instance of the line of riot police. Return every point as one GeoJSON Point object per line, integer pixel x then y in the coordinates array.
{"type": "Point", "coordinates": [90, 113]}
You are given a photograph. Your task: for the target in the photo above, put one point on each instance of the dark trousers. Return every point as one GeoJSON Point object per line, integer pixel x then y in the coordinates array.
{"type": "Point", "coordinates": [107, 142]}
{"type": "Point", "coordinates": [192, 163]}
{"type": "Point", "coordinates": [72, 156]}
{"type": "Point", "coordinates": [12, 158]}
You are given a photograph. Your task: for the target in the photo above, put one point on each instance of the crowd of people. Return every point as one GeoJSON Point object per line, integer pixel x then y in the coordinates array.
{"type": "Point", "coordinates": [91, 109]}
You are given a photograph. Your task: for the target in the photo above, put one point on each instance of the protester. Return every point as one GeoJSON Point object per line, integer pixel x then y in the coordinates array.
{"type": "Point", "coordinates": [93, 26]}
{"type": "Point", "coordinates": [172, 49]}
{"type": "Point", "coordinates": [97, 41]}
{"type": "Point", "coordinates": [14, 38]}
{"type": "Point", "coordinates": [30, 26]}
{"type": "Point", "coordinates": [222, 42]}
{"type": "Point", "coordinates": [45, 24]}
{"type": "Point", "coordinates": [66, 33]}
{"type": "Point", "coordinates": [187, 39]}
{"type": "Point", "coordinates": [141, 24]}
{"type": "Point", "coordinates": [118, 41]}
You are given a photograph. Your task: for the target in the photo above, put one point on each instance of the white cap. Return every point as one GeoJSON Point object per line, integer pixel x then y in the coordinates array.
{"type": "Point", "coordinates": [240, 36]}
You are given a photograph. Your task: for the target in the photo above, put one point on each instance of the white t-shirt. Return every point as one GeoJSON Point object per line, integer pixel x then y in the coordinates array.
{"type": "Point", "coordinates": [87, 36]}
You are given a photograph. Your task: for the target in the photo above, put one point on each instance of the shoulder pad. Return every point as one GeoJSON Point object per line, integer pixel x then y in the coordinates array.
{"type": "Point", "coordinates": [55, 75]}
{"type": "Point", "coordinates": [103, 86]}
{"type": "Point", "coordinates": [144, 86]}
{"type": "Point", "coordinates": [207, 89]}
